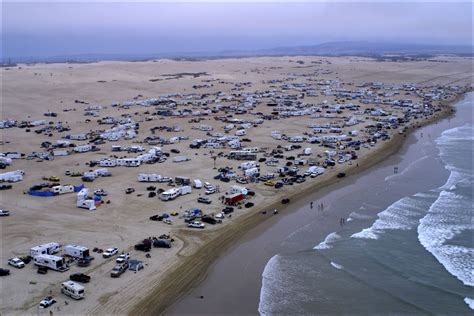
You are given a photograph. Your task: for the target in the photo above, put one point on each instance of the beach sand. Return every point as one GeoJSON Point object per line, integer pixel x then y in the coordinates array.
{"type": "Point", "coordinates": [30, 90]}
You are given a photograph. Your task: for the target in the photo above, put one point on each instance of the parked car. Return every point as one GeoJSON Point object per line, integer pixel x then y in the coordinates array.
{"type": "Point", "coordinates": [110, 252]}
{"type": "Point", "coordinates": [16, 262]}
{"type": "Point", "coordinates": [101, 192]}
{"type": "Point", "coordinates": [42, 270]}
{"type": "Point", "coordinates": [210, 191]}
{"type": "Point", "coordinates": [4, 272]}
{"type": "Point", "coordinates": [204, 200]}
{"type": "Point", "coordinates": [161, 243]}
{"type": "Point", "coordinates": [83, 262]}
{"type": "Point", "coordinates": [143, 247]}
{"type": "Point", "coordinates": [80, 277]}
{"type": "Point", "coordinates": [47, 302]}
{"type": "Point", "coordinates": [228, 210]}
{"type": "Point", "coordinates": [269, 183]}
{"type": "Point", "coordinates": [118, 270]}
{"type": "Point", "coordinates": [129, 190]}
{"type": "Point", "coordinates": [219, 215]}
{"type": "Point", "coordinates": [209, 219]}
{"type": "Point", "coordinates": [123, 258]}
{"type": "Point", "coordinates": [4, 213]}
{"type": "Point", "coordinates": [196, 224]}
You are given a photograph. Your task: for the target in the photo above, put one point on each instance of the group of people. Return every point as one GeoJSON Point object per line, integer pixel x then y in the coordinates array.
{"type": "Point", "coordinates": [320, 206]}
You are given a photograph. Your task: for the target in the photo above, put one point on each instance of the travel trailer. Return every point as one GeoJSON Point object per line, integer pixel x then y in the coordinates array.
{"type": "Point", "coordinates": [45, 249]}
{"type": "Point", "coordinates": [51, 262]}
{"type": "Point", "coordinates": [73, 290]}
{"type": "Point", "coordinates": [76, 251]}
{"type": "Point", "coordinates": [242, 155]}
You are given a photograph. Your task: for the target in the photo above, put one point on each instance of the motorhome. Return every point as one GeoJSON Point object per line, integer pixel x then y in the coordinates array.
{"type": "Point", "coordinates": [73, 290]}
{"type": "Point", "coordinates": [170, 194]}
{"type": "Point", "coordinates": [83, 148]}
{"type": "Point", "coordinates": [75, 251]}
{"type": "Point", "coordinates": [52, 262]}
{"type": "Point", "coordinates": [45, 249]}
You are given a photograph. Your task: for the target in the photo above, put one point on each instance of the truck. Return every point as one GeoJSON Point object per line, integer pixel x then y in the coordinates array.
{"type": "Point", "coordinates": [73, 290]}
{"type": "Point", "coordinates": [45, 249]}
{"type": "Point", "coordinates": [51, 262]}
{"type": "Point", "coordinates": [79, 252]}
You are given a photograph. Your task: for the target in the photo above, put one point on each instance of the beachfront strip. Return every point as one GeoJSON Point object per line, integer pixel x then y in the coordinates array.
{"type": "Point", "coordinates": [102, 189]}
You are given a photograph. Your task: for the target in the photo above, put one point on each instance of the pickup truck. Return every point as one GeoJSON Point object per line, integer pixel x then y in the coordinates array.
{"type": "Point", "coordinates": [80, 277]}
{"type": "Point", "coordinates": [118, 270]}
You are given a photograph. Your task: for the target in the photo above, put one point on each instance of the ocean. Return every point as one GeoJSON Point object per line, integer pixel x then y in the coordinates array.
{"type": "Point", "coordinates": [415, 255]}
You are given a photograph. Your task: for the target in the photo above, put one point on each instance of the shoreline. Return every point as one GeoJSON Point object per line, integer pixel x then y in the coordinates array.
{"type": "Point", "coordinates": [176, 284]}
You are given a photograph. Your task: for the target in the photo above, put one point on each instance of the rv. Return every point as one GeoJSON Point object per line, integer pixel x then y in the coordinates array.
{"type": "Point", "coordinates": [79, 252]}
{"type": "Point", "coordinates": [87, 204]}
{"type": "Point", "coordinates": [240, 132]}
{"type": "Point", "coordinates": [242, 155]}
{"type": "Point", "coordinates": [170, 194]}
{"type": "Point", "coordinates": [61, 189]}
{"type": "Point", "coordinates": [252, 172]}
{"type": "Point", "coordinates": [73, 290]}
{"type": "Point", "coordinates": [82, 148]}
{"type": "Point", "coordinates": [248, 165]}
{"type": "Point", "coordinates": [182, 180]}
{"type": "Point", "coordinates": [180, 159]}
{"type": "Point", "coordinates": [184, 190]}
{"type": "Point", "coordinates": [52, 262]}
{"type": "Point", "coordinates": [128, 162]}
{"type": "Point", "coordinates": [45, 249]}
{"type": "Point", "coordinates": [149, 177]}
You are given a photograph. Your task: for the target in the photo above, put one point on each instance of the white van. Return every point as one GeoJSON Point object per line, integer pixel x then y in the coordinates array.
{"type": "Point", "coordinates": [73, 290]}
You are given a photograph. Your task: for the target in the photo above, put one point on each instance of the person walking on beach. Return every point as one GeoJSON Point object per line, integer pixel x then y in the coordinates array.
{"type": "Point", "coordinates": [311, 205]}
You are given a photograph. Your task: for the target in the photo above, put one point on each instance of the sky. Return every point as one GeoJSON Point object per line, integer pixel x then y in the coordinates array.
{"type": "Point", "coordinates": [60, 28]}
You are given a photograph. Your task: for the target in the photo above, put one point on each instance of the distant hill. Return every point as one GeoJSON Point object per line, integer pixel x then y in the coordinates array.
{"type": "Point", "coordinates": [371, 49]}
{"type": "Point", "coordinates": [360, 49]}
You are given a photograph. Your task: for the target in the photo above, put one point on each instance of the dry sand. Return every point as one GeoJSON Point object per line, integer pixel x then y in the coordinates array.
{"type": "Point", "coordinates": [30, 91]}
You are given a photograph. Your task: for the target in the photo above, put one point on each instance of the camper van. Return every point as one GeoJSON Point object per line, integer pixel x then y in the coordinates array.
{"type": "Point", "coordinates": [45, 249]}
{"type": "Point", "coordinates": [76, 251]}
{"type": "Point", "coordinates": [73, 290]}
{"type": "Point", "coordinates": [51, 262]}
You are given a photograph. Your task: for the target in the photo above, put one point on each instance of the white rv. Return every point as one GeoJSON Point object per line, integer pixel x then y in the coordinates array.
{"type": "Point", "coordinates": [61, 189]}
{"type": "Point", "coordinates": [251, 172]}
{"type": "Point", "coordinates": [45, 249]}
{"type": "Point", "coordinates": [128, 162]}
{"type": "Point", "coordinates": [73, 290]}
{"type": "Point", "coordinates": [76, 251]}
{"type": "Point", "coordinates": [248, 165]}
{"type": "Point", "coordinates": [170, 194]}
{"type": "Point", "coordinates": [83, 148]}
{"type": "Point", "coordinates": [240, 132]}
{"type": "Point", "coordinates": [52, 262]}
{"type": "Point", "coordinates": [87, 204]}
{"type": "Point", "coordinates": [184, 190]}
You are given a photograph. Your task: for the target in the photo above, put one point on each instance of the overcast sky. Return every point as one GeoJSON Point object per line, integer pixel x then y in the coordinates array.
{"type": "Point", "coordinates": [59, 28]}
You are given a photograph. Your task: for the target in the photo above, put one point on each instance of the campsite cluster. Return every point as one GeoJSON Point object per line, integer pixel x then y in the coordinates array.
{"type": "Point", "coordinates": [215, 154]}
